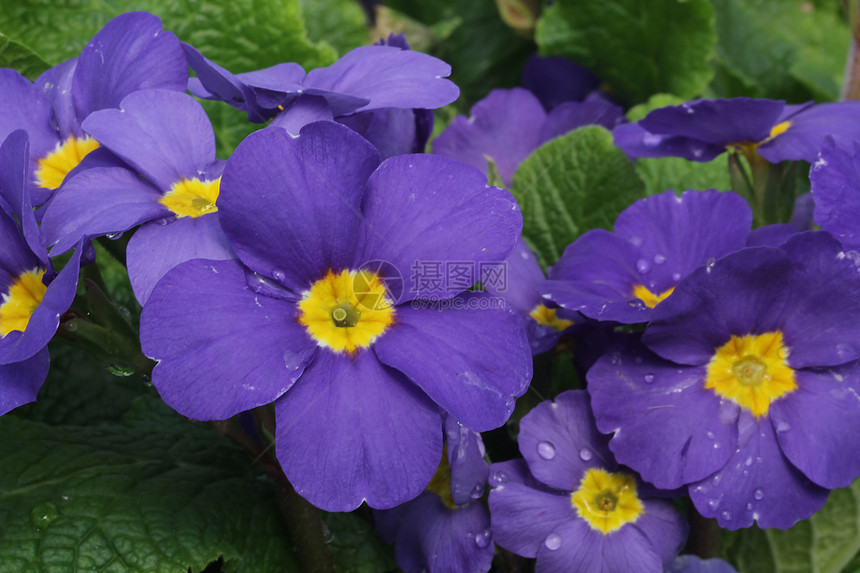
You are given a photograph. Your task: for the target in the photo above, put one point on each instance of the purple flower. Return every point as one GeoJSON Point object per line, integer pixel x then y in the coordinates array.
{"type": "Point", "coordinates": [323, 314]}
{"type": "Point", "coordinates": [692, 564]}
{"type": "Point", "coordinates": [623, 276]}
{"type": "Point", "coordinates": [700, 130]}
{"type": "Point", "coordinates": [744, 385]}
{"type": "Point", "coordinates": [32, 295]}
{"type": "Point", "coordinates": [508, 125]}
{"type": "Point", "coordinates": [383, 92]}
{"type": "Point", "coordinates": [166, 137]}
{"type": "Point", "coordinates": [130, 53]}
{"type": "Point", "coordinates": [570, 505]}
{"type": "Point", "coordinates": [445, 528]}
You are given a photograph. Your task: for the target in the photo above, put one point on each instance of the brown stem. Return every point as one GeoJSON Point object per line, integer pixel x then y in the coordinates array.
{"type": "Point", "coordinates": [704, 539]}
{"type": "Point", "coordinates": [851, 83]}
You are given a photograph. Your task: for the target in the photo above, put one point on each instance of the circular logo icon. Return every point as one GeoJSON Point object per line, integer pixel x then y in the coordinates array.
{"type": "Point", "coordinates": [366, 284]}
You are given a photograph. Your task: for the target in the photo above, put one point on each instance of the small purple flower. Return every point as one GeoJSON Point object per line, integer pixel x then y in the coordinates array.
{"type": "Point", "coordinates": [323, 315]}
{"type": "Point", "coordinates": [744, 385]}
{"type": "Point", "coordinates": [555, 80]}
{"type": "Point", "coordinates": [32, 295]}
{"type": "Point", "coordinates": [508, 125]}
{"type": "Point", "coordinates": [623, 276]}
{"type": "Point", "coordinates": [700, 130]}
{"type": "Point", "coordinates": [130, 53]}
{"type": "Point", "coordinates": [166, 137]}
{"type": "Point", "coordinates": [570, 505]}
{"type": "Point", "coordinates": [693, 564]}
{"type": "Point", "coordinates": [445, 528]}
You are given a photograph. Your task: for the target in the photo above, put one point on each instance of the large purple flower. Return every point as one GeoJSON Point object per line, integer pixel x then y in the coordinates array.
{"type": "Point", "coordinates": [166, 137]}
{"type": "Point", "coordinates": [700, 130]}
{"type": "Point", "coordinates": [33, 295]}
{"type": "Point", "coordinates": [508, 125]}
{"type": "Point", "coordinates": [445, 528]}
{"type": "Point", "coordinates": [130, 53]}
{"type": "Point", "coordinates": [383, 92]}
{"type": "Point", "coordinates": [570, 505]}
{"type": "Point", "coordinates": [744, 385]}
{"type": "Point", "coordinates": [324, 315]}
{"type": "Point", "coordinates": [623, 276]}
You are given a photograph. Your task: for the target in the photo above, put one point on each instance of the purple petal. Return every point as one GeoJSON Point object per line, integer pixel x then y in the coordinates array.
{"type": "Point", "coordinates": [164, 135]}
{"type": "Point", "coordinates": [433, 538]}
{"type": "Point", "coordinates": [316, 181]}
{"type": "Point", "coordinates": [524, 278]}
{"type": "Point", "coordinates": [20, 381]}
{"type": "Point", "coordinates": [666, 425]}
{"type": "Point", "coordinates": [130, 53]}
{"type": "Point", "coordinates": [523, 513]}
{"type": "Point", "coordinates": [818, 425]}
{"type": "Point", "coordinates": [392, 131]}
{"type": "Point", "coordinates": [469, 469]}
{"type": "Point", "coordinates": [773, 235]}
{"type": "Point", "coordinates": [98, 202]}
{"type": "Point", "coordinates": [574, 546]}
{"type": "Point", "coordinates": [24, 107]}
{"type": "Point", "coordinates": [386, 76]}
{"type": "Point", "coordinates": [221, 347]}
{"type": "Point", "coordinates": [56, 85]}
{"type": "Point", "coordinates": [757, 484]}
{"type": "Point", "coordinates": [302, 111]}
{"type": "Point", "coordinates": [15, 190]}
{"type": "Point", "coordinates": [738, 294]}
{"type": "Point", "coordinates": [15, 256]}
{"type": "Point", "coordinates": [159, 246]}
{"type": "Point", "coordinates": [807, 129]}
{"type": "Point", "coordinates": [505, 126]}
{"type": "Point", "coordinates": [821, 323]}
{"type": "Point", "coordinates": [422, 209]}
{"type": "Point", "coordinates": [665, 529]}
{"type": "Point", "coordinates": [487, 362]}
{"type": "Point", "coordinates": [352, 430]}
{"type": "Point", "coordinates": [835, 178]}
{"type": "Point", "coordinates": [718, 122]}
{"type": "Point", "coordinates": [637, 143]}
{"type": "Point", "coordinates": [555, 80]}
{"type": "Point", "coordinates": [560, 441]}
{"type": "Point", "coordinates": [45, 320]}
{"type": "Point", "coordinates": [571, 115]}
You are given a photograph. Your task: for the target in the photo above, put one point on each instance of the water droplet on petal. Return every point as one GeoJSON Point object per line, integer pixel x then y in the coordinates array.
{"type": "Point", "coordinates": [43, 515]}
{"type": "Point", "coordinates": [713, 504]}
{"type": "Point", "coordinates": [710, 435]}
{"type": "Point", "coordinates": [546, 450]}
{"type": "Point", "coordinates": [643, 266]}
{"type": "Point", "coordinates": [279, 275]}
{"type": "Point", "coordinates": [727, 515]}
{"type": "Point", "coordinates": [728, 412]}
{"type": "Point", "coordinates": [552, 541]}
{"type": "Point", "coordinates": [748, 461]}
{"type": "Point", "coordinates": [676, 277]}
{"type": "Point", "coordinates": [716, 480]}
{"type": "Point", "coordinates": [758, 493]}
{"type": "Point", "coordinates": [477, 491]}
{"type": "Point", "coordinates": [749, 507]}
{"type": "Point", "coordinates": [500, 477]}
{"type": "Point", "coordinates": [482, 539]}
{"type": "Point", "coordinates": [585, 454]}
{"type": "Point", "coordinates": [659, 259]}
{"type": "Point", "coordinates": [649, 378]}
{"type": "Point", "coordinates": [783, 427]}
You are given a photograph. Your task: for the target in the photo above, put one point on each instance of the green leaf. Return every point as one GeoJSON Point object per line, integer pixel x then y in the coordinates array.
{"type": "Point", "coordinates": [571, 184]}
{"type": "Point", "coordinates": [18, 57]}
{"type": "Point", "coordinates": [778, 49]}
{"type": "Point", "coordinates": [147, 500]}
{"type": "Point", "coordinates": [240, 35]}
{"type": "Point", "coordinates": [356, 546]}
{"type": "Point", "coordinates": [824, 543]}
{"type": "Point", "coordinates": [662, 173]}
{"type": "Point", "coordinates": [641, 47]}
{"type": "Point", "coordinates": [80, 391]}
{"type": "Point", "coordinates": [338, 23]}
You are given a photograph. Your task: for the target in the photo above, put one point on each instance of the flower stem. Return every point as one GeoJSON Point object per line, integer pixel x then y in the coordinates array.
{"type": "Point", "coordinates": [851, 83]}
{"type": "Point", "coordinates": [704, 539]}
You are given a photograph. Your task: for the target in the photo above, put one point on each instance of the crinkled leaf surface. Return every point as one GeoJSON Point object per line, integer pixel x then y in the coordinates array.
{"type": "Point", "coordinates": [19, 57]}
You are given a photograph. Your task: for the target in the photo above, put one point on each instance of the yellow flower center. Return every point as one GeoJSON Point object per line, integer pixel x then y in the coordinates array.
{"type": "Point", "coordinates": [752, 371]}
{"type": "Point", "coordinates": [346, 311]}
{"type": "Point", "coordinates": [54, 167]}
{"type": "Point", "coordinates": [748, 148]}
{"type": "Point", "coordinates": [649, 298]}
{"type": "Point", "coordinates": [24, 296]}
{"type": "Point", "coordinates": [607, 501]}
{"type": "Point", "coordinates": [192, 197]}
{"type": "Point", "coordinates": [440, 483]}
{"type": "Point", "coordinates": [547, 317]}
